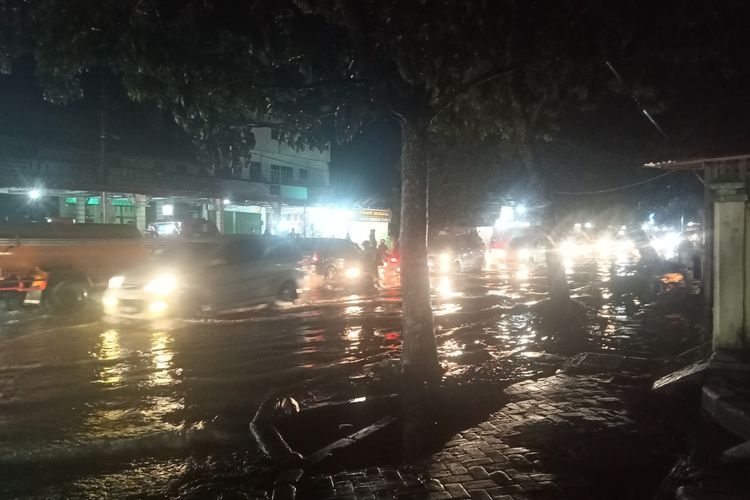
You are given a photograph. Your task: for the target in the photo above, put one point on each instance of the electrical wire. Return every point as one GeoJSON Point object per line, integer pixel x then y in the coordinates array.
{"type": "Point", "coordinates": [637, 101]}
{"type": "Point", "coordinates": [619, 188]}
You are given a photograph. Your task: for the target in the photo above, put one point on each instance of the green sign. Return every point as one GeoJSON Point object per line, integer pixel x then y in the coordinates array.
{"type": "Point", "coordinates": [294, 192]}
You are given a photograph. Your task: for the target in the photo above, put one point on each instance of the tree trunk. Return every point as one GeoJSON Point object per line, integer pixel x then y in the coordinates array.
{"type": "Point", "coordinates": [420, 371]}
{"type": "Point", "coordinates": [559, 291]}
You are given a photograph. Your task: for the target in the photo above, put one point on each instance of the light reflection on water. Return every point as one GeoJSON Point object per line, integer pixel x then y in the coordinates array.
{"type": "Point", "coordinates": [161, 356]}
{"type": "Point", "coordinates": [110, 350]}
{"type": "Point", "coordinates": [353, 310]}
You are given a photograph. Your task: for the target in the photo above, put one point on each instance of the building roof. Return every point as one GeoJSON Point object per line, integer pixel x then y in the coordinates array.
{"type": "Point", "coordinates": [695, 164]}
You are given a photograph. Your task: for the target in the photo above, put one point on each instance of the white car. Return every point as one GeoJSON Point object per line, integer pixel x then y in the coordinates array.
{"type": "Point", "coordinates": [190, 278]}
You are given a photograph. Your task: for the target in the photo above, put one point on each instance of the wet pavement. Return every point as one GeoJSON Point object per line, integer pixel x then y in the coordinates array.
{"type": "Point", "coordinates": [90, 409]}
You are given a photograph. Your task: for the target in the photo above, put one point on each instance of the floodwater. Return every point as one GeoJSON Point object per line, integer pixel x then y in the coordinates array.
{"type": "Point", "coordinates": [89, 409]}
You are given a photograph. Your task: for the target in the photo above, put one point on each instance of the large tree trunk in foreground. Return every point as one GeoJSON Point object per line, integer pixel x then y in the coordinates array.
{"type": "Point", "coordinates": [420, 371]}
{"type": "Point", "coordinates": [559, 291]}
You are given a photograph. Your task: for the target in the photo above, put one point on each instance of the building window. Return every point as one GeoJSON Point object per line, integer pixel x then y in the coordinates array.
{"type": "Point", "coordinates": [303, 175]}
{"type": "Point", "coordinates": [287, 175]}
{"type": "Point", "coordinates": [255, 171]}
{"type": "Point", "coordinates": [275, 190]}
{"type": "Point", "coordinates": [275, 174]}
{"type": "Point", "coordinates": [275, 134]}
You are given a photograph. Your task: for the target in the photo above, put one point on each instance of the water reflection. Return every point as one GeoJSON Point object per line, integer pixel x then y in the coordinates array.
{"type": "Point", "coordinates": [523, 273]}
{"type": "Point", "coordinates": [161, 356]}
{"type": "Point", "coordinates": [353, 310]}
{"type": "Point", "coordinates": [444, 287]}
{"type": "Point", "coordinates": [109, 350]}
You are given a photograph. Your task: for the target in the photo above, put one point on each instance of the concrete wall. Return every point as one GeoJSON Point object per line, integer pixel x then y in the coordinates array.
{"type": "Point", "coordinates": [731, 278]}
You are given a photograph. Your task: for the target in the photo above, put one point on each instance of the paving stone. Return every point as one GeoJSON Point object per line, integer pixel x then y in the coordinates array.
{"type": "Point", "coordinates": [457, 468]}
{"type": "Point", "coordinates": [480, 495]}
{"type": "Point", "coordinates": [542, 477]}
{"type": "Point", "coordinates": [456, 491]}
{"type": "Point", "coordinates": [434, 485]}
{"type": "Point", "coordinates": [443, 495]}
{"type": "Point", "coordinates": [497, 457]}
{"type": "Point", "coordinates": [442, 474]}
{"type": "Point", "coordinates": [501, 477]}
{"type": "Point", "coordinates": [519, 460]}
{"type": "Point", "coordinates": [470, 462]}
{"type": "Point", "coordinates": [478, 472]}
{"type": "Point", "coordinates": [457, 479]}
{"type": "Point", "coordinates": [498, 493]}
{"type": "Point", "coordinates": [479, 484]}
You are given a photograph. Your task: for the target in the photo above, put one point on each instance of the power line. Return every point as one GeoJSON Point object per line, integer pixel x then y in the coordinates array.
{"type": "Point", "coordinates": [619, 188]}
{"type": "Point", "coordinates": [637, 101]}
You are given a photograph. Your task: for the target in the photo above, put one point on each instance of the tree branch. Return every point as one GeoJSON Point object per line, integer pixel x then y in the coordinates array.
{"type": "Point", "coordinates": [470, 84]}
{"type": "Point", "coordinates": [316, 85]}
{"type": "Point", "coordinates": [295, 86]}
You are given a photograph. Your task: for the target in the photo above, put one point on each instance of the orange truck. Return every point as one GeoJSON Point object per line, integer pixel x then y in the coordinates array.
{"type": "Point", "coordinates": [61, 266]}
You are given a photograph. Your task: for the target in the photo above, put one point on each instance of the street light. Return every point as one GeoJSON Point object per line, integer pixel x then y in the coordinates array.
{"type": "Point", "coordinates": [521, 209]}
{"type": "Point", "coordinates": [226, 201]}
{"type": "Point", "coordinates": [35, 194]}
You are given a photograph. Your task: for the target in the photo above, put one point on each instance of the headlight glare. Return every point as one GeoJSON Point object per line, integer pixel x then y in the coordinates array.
{"type": "Point", "coordinates": [116, 281]}
{"type": "Point", "coordinates": [352, 272]}
{"type": "Point", "coordinates": [161, 285]}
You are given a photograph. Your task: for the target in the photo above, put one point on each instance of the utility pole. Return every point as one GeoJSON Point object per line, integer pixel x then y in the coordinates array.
{"type": "Point", "coordinates": [103, 144]}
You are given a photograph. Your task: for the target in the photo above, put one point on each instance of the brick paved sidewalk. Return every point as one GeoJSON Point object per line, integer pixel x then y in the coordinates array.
{"type": "Point", "coordinates": [557, 438]}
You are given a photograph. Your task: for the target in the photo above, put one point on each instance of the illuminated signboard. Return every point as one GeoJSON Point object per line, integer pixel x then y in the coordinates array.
{"type": "Point", "coordinates": [372, 215]}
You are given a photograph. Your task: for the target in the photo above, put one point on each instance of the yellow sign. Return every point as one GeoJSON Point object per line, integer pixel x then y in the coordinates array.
{"type": "Point", "coordinates": [372, 215]}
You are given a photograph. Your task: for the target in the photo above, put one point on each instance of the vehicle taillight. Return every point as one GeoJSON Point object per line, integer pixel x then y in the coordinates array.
{"type": "Point", "coordinates": [393, 260]}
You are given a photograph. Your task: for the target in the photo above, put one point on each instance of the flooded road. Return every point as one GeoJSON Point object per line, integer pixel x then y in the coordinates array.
{"type": "Point", "coordinates": [90, 409]}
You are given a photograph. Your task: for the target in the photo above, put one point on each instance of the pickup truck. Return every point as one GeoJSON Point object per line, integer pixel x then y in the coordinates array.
{"type": "Point", "coordinates": [60, 266]}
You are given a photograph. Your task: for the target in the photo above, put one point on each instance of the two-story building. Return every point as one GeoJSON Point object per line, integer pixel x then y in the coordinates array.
{"type": "Point", "coordinates": [270, 190]}
{"type": "Point", "coordinates": [107, 159]}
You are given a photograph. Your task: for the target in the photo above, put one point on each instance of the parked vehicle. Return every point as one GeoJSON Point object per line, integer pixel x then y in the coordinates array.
{"type": "Point", "coordinates": [212, 275]}
{"type": "Point", "coordinates": [528, 249]}
{"type": "Point", "coordinates": [62, 265]}
{"type": "Point", "coordinates": [338, 262]}
{"type": "Point", "coordinates": [455, 253]}
{"type": "Point", "coordinates": [184, 229]}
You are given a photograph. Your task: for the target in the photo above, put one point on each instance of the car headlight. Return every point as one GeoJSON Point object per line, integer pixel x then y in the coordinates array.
{"type": "Point", "coordinates": [116, 281]}
{"type": "Point", "coordinates": [445, 258]}
{"type": "Point", "coordinates": [524, 254]}
{"type": "Point", "coordinates": [109, 302]}
{"type": "Point", "coordinates": [352, 272]}
{"type": "Point", "coordinates": [161, 285]}
{"type": "Point", "coordinates": [570, 249]}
